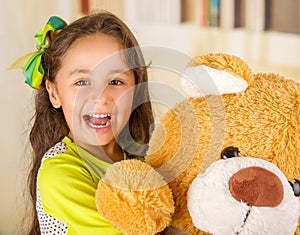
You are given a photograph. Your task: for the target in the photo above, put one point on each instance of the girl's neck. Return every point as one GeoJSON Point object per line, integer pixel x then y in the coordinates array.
{"type": "Point", "coordinates": [111, 152]}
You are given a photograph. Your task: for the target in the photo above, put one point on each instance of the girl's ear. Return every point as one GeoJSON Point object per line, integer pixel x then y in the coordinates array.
{"type": "Point", "coordinates": [52, 91]}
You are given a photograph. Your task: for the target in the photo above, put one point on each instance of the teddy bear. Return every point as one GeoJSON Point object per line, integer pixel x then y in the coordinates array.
{"type": "Point", "coordinates": [228, 105]}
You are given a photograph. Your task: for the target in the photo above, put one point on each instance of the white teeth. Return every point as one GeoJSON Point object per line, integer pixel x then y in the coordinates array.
{"type": "Point", "coordinates": [100, 126]}
{"type": "Point", "coordinates": [103, 115]}
{"type": "Point", "coordinates": [93, 124]}
{"type": "Point", "coordinates": [96, 115]}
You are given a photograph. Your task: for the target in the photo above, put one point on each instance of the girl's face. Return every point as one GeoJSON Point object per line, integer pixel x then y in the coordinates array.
{"type": "Point", "coordinates": [95, 89]}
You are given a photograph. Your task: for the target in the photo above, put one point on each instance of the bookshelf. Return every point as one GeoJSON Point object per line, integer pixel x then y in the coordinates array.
{"type": "Point", "coordinates": [265, 33]}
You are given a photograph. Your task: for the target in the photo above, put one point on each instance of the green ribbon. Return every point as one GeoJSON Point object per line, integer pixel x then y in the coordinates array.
{"type": "Point", "coordinates": [33, 69]}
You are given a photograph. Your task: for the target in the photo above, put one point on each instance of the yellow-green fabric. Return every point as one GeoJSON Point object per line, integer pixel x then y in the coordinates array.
{"type": "Point", "coordinates": [67, 187]}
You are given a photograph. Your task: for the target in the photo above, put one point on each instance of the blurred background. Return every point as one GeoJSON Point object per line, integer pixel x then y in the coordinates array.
{"type": "Point", "coordinates": [265, 33]}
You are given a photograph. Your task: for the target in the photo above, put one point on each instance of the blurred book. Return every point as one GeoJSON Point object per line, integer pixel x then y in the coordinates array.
{"type": "Point", "coordinates": [239, 13]}
{"type": "Point", "coordinates": [214, 13]}
{"type": "Point", "coordinates": [194, 11]}
{"type": "Point", "coordinates": [227, 14]}
{"type": "Point", "coordinates": [115, 6]}
{"type": "Point", "coordinates": [282, 16]}
{"type": "Point", "coordinates": [255, 15]}
{"type": "Point", "coordinates": [158, 11]}
{"type": "Point", "coordinates": [85, 6]}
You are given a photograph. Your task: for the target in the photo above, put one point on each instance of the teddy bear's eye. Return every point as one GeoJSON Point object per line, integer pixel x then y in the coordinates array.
{"type": "Point", "coordinates": [296, 187]}
{"type": "Point", "coordinates": [230, 152]}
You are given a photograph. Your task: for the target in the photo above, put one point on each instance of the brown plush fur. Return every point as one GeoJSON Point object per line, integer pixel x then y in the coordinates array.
{"type": "Point", "coordinates": [135, 198]}
{"type": "Point", "coordinates": [262, 122]}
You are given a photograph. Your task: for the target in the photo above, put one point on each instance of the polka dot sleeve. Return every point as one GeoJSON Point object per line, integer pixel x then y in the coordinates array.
{"type": "Point", "coordinates": [67, 196]}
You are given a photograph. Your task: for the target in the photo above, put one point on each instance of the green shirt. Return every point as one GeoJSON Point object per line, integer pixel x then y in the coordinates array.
{"type": "Point", "coordinates": [66, 187]}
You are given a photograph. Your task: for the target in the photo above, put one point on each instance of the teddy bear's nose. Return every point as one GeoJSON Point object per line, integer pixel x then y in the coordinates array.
{"type": "Point", "coordinates": [256, 186]}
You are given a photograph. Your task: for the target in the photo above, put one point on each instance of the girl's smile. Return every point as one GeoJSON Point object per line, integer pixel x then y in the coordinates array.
{"type": "Point", "coordinates": [98, 121]}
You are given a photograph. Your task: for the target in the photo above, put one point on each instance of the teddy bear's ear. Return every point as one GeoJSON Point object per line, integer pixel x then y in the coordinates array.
{"type": "Point", "coordinates": [201, 80]}
{"type": "Point", "coordinates": [215, 74]}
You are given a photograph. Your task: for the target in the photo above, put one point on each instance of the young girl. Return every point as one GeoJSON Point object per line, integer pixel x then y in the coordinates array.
{"type": "Point", "coordinates": [90, 112]}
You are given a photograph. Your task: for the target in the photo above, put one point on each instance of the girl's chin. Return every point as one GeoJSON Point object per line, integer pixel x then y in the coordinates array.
{"type": "Point", "coordinates": [95, 136]}
{"type": "Point", "coordinates": [93, 141]}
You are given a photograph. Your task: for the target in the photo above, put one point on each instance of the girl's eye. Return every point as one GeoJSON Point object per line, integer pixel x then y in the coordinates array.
{"type": "Point", "coordinates": [82, 83]}
{"type": "Point", "coordinates": [115, 82]}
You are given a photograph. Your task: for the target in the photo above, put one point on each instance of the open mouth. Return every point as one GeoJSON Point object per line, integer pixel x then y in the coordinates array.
{"type": "Point", "coordinates": [98, 121]}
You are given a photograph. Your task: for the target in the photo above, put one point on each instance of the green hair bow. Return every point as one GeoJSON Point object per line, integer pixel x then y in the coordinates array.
{"type": "Point", "coordinates": [33, 69]}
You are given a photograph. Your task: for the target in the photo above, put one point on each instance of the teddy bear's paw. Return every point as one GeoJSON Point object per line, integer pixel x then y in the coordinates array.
{"type": "Point", "coordinates": [135, 198]}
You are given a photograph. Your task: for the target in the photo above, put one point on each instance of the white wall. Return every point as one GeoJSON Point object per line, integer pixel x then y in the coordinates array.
{"type": "Point", "coordinates": [19, 21]}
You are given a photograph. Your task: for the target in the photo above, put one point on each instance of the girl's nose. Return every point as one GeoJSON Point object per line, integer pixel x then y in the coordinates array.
{"type": "Point", "coordinates": [101, 96]}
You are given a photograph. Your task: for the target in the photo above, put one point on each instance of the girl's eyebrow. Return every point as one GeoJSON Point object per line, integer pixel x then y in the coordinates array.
{"type": "Point", "coordinates": [75, 71]}
{"type": "Point", "coordinates": [120, 71]}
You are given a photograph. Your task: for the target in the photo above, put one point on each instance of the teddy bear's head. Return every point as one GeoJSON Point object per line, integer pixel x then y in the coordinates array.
{"type": "Point", "coordinates": [242, 195]}
{"type": "Point", "coordinates": [228, 106]}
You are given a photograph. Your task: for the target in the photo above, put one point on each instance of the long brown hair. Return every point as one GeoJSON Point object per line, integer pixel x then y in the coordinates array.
{"type": "Point", "coordinates": [49, 125]}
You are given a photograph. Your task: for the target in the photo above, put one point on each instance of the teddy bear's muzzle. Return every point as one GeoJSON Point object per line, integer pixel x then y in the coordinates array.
{"type": "Point", "coordinates": [256, 186]}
